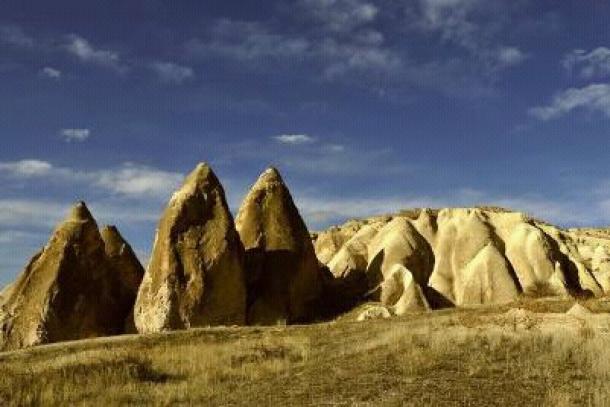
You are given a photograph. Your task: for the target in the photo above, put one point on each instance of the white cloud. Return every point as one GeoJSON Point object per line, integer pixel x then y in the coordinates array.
{"type": "Point", "coordinates": [589, 65]}
{"type": "Point", "coordinates": [75, 135]}
{"type": "Point", "coordinates": [247, 41]}
{"type": "Point", "coordinates": [128, 180]}
{"type": "Point", "coordinates": [34, 214]}
{"type": "Point", "coordinates": [51, 73]}
{"type": "Point", "coordinates": [594, 97]}
{"type": "Point", "coordinates": [14, 35]}
{"type": "Point", "coordinates": [83, 50]}
{"type": "Point", "coordinates": [169, 72]}
{"type": "Point", "coordinates": [320, 210]}
{"type": "Point", "coordinates": [26, 168]}
{"type": "Point", "coordinates": [334, 148]}
{"type": "Point", "coordinates": [294, 139]}
{"type": "Point", "coordinates": [509, 56]}
{"type": "Point", "coordinates": [340, 15]}
{"type": "Point", "coordinates": [134, 180]}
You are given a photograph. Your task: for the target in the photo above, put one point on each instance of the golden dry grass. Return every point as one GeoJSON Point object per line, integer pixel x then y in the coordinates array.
{"type": "Point", "coordinates": [458, 357]}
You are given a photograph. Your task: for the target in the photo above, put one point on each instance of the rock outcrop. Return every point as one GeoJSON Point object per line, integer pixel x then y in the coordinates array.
{"type": "Point", "coordinates": [195, 276]}
{"type": "Point", "coordinates": [283, 277]}
{"type": "Point", "coordinates": [74, 288]}
{"type": "Point", "coordinates": [462, 256]}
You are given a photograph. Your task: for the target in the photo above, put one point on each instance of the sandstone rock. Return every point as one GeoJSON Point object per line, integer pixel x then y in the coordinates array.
{"type": "Point", "coordinates": [69, 290]}
{"type": "Point", "coordinates": [471, 256]}
{"type": "Point", "coordinates": [125, 262]}
{"type": "Point", "coordinates": [195, 276]}
{"type": "Point", "coordinates": [284, 281]}
{"type": "Point", "coordinates": [401, 292]}
{"type": "Point", "coordinates": [579, 311]}
{"type": "Point", "coordinates": [533, 258]}
{"type": "Point", "coordinates": [462, 234]}
{"type": "Point", "coordinates": [374, 312]}
{"type": "Point", "coordinates": [399, 242]}
{"type": "Point", "coordinates": [487, 279]}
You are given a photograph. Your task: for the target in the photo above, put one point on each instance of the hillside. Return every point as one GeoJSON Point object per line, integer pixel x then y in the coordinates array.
{"type": "Point", "coordinates": [502, 355]}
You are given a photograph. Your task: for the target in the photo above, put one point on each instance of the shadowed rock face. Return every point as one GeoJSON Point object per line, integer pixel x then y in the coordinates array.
{"type": "Point", "coordinates": [71, 289]}
{"type": "Point", "coordinates": [124, 262]}
{"type": "Point", "coordinates": [195, 276]}
{"type": "Point", "coordinates": [284, 281]}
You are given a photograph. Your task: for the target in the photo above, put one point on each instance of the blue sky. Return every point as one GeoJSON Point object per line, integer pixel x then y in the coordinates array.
{"type": "Point", "coordinates": [365, 106]}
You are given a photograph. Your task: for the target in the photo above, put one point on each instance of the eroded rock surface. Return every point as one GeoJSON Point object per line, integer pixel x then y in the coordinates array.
{"type": "Point", "coordinates": [464, 256]}
{"type": "Point", "coordinates": [76, 287]}
{"type": "Point", "coordinates": [195, 276]}
{"type": "Point", "coordinates": [283, 276]}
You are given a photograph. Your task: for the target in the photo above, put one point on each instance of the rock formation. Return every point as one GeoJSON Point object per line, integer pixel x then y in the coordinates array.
{"type": "Point", "coordinates": [462, 256]}
{"type": "Point", "coordinates": [283, 278]}
{"type": "Point", "coordinates": [195, 276]}
{"type": "Point", "coordinates": [76, 287]}
{"type": "Point", "coordinates": [124, 262]}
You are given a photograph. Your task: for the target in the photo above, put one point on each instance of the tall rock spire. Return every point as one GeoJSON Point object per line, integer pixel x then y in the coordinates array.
{"type": "Point", "coordinates": [195, 276]}
{"type": "Point", "coordinates": [284, 281]}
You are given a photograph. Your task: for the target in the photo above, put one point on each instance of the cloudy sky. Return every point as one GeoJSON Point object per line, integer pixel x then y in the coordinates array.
{"type": "Point", "coordinates": [365, 106]}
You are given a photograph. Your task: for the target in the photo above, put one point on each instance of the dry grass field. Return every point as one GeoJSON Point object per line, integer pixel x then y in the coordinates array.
{"type": "Point", "coordinates": [527, 354]}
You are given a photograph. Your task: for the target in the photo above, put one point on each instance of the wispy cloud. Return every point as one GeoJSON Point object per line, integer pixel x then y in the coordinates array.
{"type": "Point", "coordinates": [51, 73]}
{"type": "Point", "coordinates": [294, 139]}
{"type": "Point", "coordinates": [26, 168]}
{"type": "Point", "coordinates": [86, 52]}
{"type": "Point", "coordinates": [128, 180]}
{"type": "Point", "coordinates": [170, 72]}
{"type": "Point", "coordinates": [588, 65]}
{"type": "Point", "coordinates": [75, 135]}
{"type": "Point", "coordinates": [320, 210]}
{"type": "Point", "coordinates": [340, 15]}
{"type": "Point", "coordinates": [133, 180]}
{"type": "Point", "coordinates": [594, 97]}
{"type": "Point", "coordinates": [14, 35]}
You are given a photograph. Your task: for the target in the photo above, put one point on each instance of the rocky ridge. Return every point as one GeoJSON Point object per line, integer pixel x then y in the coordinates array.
{"type": "Point", "coordinates": [266, 268]}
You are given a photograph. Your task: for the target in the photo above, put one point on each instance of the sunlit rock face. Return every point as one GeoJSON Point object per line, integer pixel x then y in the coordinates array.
{"type": "Point", "coordinates": [462, 256]}
{"type": "Point", "coordinates": [283, 276]}
{"type": "Point", "coordinates": [195, 276]}
{"type": "Point", "coordinates": [82, 284]}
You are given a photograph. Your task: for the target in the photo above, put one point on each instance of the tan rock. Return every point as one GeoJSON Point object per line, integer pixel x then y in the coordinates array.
{"type": "Point", "coordinates": [195, 276]}
{"type": "Point", "coordinates": [579, 311]}
{"type": "Point", "coordinates": [68, 290]}
{"type": "Point", "coordinates": [462, 234]}
{"type": "Point", "coordinates": [401, 292]}
{"type": "Point", "coordinates": [283, 277]}
{"type": "Point", "coordinates": [125, 262]}
{"type": "Point", "coordinates": [399, 242]}
{"type": "Point", "coordinates": [487, 279]}
{"type": "Point", "coordinates": [374, 312]}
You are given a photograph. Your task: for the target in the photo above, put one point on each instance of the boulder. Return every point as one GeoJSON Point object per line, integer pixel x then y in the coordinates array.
{"type": "Point", "coordinates": [70, 290]}
{"type": "Point", "coordinates": [401, 292]}
{"type": "Point", "coordinates": [374, 312]}
{"type": "Point", "coordinates": [283, 277]}
{"type": "Point", "coordinates": [195, 276]}
{"type": "Point", "coordinates": [579, 311]}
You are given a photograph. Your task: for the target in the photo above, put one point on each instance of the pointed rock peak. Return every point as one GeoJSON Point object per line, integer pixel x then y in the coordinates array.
{"type": "Point", "coordinates": [112, 238]}
{"type": "Point", "coordinates": [202, 175]}
{"type": "Point", "coordinates": [80, 213]}
{"type": "Point", "coordinates": [270, 175]}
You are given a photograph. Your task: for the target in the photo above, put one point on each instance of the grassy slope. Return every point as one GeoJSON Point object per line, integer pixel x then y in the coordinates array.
{"type": "Point", "coordinates": [461, 357]}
